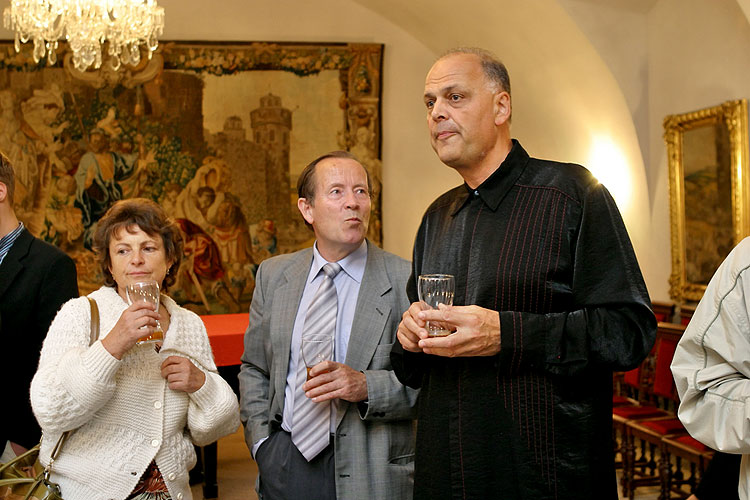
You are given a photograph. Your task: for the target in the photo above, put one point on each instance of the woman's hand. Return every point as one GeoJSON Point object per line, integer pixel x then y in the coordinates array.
{"type": "Point", "coordinates": [182, 375]}
{"type": "Point", "coordinates": [128, 328]}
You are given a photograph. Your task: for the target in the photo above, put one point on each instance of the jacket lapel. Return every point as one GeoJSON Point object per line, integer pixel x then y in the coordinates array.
{"type": "Point", "coordinates": [12, 263]}
{"type": "Point", "coordinates": [370, 316]}
{"type": "Point", "coordinates": [286, 301]}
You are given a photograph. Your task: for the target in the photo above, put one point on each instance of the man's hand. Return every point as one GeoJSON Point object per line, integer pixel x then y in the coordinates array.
{"type": "Point", "coordinates": [477, 331]}
{"type": "Point", "coordinates": [182, 374]}
{"type": "Point", "coordinates": [331, 380]}
{"type": "Point", "coordinates": [412, 328]}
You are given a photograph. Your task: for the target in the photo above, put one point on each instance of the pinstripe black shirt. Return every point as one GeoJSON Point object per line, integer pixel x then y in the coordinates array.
{"type": "Point", "coordinates": [543, 244]}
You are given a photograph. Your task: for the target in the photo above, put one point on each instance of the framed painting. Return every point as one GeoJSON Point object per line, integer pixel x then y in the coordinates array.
{"type": "Point", "coordinates": [707, 153]}
{"type": "Point", "coordinates": [217, 133]}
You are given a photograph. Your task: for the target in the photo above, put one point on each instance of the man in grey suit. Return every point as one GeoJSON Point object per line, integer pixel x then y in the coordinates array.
{"type": "Point", "coordinates": [368, 441]}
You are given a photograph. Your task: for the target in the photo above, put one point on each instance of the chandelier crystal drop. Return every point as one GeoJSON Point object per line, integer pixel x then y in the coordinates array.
{"type": "Point", "coordinates": [86, 25]}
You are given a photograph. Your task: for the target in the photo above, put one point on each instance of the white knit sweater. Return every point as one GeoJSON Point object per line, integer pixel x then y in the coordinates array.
{"type": "Point", "coordinates": [123, 413]}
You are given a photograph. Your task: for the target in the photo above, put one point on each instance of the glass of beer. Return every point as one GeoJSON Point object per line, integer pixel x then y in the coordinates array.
{"type": "Point", "coordinates": [147, 291]}
{"type": "Point", "coordinates": [435, 289]}
{"type": "Point", "coordinates": [316, 349]}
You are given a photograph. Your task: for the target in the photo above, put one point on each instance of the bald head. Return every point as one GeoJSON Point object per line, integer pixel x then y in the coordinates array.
{"type": "Point", "coordinates": [494, 70]}
{"type": "Point", "coordinates": [468, 113]}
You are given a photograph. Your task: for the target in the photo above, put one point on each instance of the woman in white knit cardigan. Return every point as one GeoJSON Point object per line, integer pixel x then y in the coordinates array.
{"type": "Point", "coordinates": [135, 409]}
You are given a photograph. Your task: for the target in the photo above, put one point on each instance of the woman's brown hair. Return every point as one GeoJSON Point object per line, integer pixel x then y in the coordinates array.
{"type": "Point", "coordinates": [152, 220]}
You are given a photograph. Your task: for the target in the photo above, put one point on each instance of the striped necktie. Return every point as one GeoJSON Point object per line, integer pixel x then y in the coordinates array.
{"type": "Point", "coordinates": [311, 421]}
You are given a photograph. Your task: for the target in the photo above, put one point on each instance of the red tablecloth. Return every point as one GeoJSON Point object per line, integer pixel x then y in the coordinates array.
{"type": "Point", "coordinates": [226, 333]}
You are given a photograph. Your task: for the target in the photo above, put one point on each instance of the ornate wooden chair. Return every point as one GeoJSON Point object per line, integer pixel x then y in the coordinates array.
{"type": "Point", "coordinates": [664, 311]}
{"type": "Point", "coordinates": [650, 431]}
{"type": "Point", "coordinates": [639, 382]}
{"type": "Point", "coordinates": [682, 447]}
{"type": "Point", "coordinates": [686, 313]}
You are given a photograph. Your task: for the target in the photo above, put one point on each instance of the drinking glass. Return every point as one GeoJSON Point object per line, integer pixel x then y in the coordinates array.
{"type": "Point", "coordinates": [434, 289]}
{"type": "Point", "coordinates": [147, 291]}
{"type": "Point", "coordinates": [316, 349]}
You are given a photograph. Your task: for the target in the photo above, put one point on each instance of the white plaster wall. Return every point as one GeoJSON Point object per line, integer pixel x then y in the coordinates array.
{"type": "Point", "coordinates": [697, 59]}
{"type": "Point", "coordinates": [619, 33]}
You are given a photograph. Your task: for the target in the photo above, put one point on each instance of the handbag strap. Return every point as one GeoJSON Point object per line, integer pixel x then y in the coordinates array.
{"type": "Point", "coordinates": [93, 336]}
{"type": "Point", "coordinates": [94, 321]}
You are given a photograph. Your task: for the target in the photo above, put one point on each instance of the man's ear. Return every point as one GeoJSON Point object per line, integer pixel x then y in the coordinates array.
{"type": "Point", "coordinates": [305, 208]}
{"type": "Point", "coordinates": [502, 107]}
{"type": "Point", "coordinates": [3, 192]}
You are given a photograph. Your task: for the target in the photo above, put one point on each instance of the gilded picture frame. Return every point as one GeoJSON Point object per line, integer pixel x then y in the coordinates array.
{"type": "Point", "coordinates": [707, 154]}
{"type": "Point", "coordinates": [215, 132]}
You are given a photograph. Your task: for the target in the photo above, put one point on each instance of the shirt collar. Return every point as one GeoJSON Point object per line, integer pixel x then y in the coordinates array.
{"type": "Point", "coordinates": [353, 264]}
{"type": "Point", "coordinates": [496, 186]}
{"type": "Point", "coordinates": [8, 239]}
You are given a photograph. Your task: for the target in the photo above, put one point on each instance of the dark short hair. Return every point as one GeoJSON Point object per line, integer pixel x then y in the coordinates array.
{"type": "Point", "coordinates": [7, 176]}
{"type": "Point", "coordinates": [306, 180]}
{"type": "Point", "coordinates": [493, 68]}
{"type": "Point", "coordinates": [152, 220]}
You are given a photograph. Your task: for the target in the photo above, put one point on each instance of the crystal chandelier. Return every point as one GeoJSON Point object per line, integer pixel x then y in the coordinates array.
{"type": "Point", "coordinates": [86, 25]}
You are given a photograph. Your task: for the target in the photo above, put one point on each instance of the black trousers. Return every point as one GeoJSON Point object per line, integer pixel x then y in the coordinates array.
{"type": "Point", "coordinates": [285, 474]}
{"type": "Point", "coordinates": [721, 479]}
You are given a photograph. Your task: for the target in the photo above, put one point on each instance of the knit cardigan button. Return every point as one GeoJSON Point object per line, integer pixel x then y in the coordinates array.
{"type": "Point", "coordinates": [154, 443]}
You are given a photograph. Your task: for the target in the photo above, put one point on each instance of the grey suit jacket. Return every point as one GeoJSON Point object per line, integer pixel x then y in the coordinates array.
{"type": "Point", "coordinates": [373, 443]}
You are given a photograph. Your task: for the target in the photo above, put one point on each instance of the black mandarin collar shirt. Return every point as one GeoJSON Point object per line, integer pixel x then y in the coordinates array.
{"type": "Point", "coordinates": [499, 183]}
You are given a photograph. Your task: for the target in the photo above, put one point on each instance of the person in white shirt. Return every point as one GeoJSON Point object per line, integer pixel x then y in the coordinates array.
{"type": "Point", "coordinates": [710, 365]}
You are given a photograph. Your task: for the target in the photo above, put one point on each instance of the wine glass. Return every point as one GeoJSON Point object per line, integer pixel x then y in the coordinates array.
{"type": "Point", "coordinates": [147, 291]}
{"type": "Point", "coordinates": [316, 349]}
{"type": "Point", "coordinates": [435, 289]}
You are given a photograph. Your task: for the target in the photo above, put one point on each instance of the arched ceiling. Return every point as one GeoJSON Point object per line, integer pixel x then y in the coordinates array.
{"type": "Point", "coordinates": [555, 71]}
{"type": "Point", "coordinates": [565, 97]}
{"type": "Point", "coordinates": [745, 6]}
{"type": "Point", "coordinates": [563, 91]}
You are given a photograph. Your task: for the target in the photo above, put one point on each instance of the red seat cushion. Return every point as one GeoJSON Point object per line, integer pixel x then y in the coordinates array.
{"type": "Point", "coordinates": [692, 442]}
{"type": "Point", "coordinates": [665, 426]}
{"type": "Point", "coordinates": [633, 377]}
{"type": "Point", "coordinates": [638, 411]}
{"type": "Point", "coordinates": [621, 400]}
{"type": "Point", "coordinates": [663, 380]}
